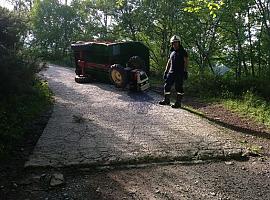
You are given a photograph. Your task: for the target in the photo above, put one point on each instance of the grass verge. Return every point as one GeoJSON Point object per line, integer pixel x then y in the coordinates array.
{"type": "Point", "coordinates": [18, 111]}
{"type": "Point", "coordinates": [250, 106]}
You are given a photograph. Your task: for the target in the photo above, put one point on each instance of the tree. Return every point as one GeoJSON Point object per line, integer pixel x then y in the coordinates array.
{"type": "Point", "coordinates": [264, 9]}
{"type": "Point", "coordinates": [234, 33]}
{"type": "Point", "coordinates": [54, 26]}
{"type": "Point", "coordinates": [22, 6]}
{"type": "Point", "coordinates": [16, 75]}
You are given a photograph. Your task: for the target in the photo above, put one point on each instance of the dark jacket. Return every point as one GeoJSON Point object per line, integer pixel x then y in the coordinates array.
{"type": "Point", "coordinates": [177, 60]}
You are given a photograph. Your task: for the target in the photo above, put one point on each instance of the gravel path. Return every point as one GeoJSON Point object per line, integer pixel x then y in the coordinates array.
{"type": "Point", "coordinates": [98, 124]}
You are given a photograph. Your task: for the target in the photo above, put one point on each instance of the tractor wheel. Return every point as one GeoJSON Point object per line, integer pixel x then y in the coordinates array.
{"type": "Point", "coordinates": [118, 76]}
{"type": "Point", "coordinates": [135, 62]}
{"type": "Point", "coordinates": [82, 79]}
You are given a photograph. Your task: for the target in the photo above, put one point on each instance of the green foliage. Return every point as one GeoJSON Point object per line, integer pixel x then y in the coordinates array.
{"type": "Point", "coordinates": [227, 87]}
{"type": "Point", "coordinates": [251, 105]}
{"type": "Point", "coordinates": [54, 27]}
{"type": "Point", "coordinates": [12, 27]}
{"type": "Point", "coordinates": [16, 74]}
{"type": "Point", "coordinates": [18, 111]}
{"type": "Point", "coordinates": [247, 96]}
{"type": "Point", "coordinates": [120, 3]}
{"type": "Point", "coordinates": [234, 33]}
{"type": "Point", "coordinates": [194, 6]}
{"type": "Point", "coordinates": [66, 61]}
{"type": "Point", "coordinates": [214, 32]}
{"type": "Point", "coordinates": [21, 97]}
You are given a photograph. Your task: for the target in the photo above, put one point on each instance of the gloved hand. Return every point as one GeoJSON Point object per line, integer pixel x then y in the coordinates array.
{"type": "Point", "coordinates": [165, 75]}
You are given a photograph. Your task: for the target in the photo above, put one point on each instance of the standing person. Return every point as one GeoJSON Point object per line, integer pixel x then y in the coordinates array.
{"type": "Point", "coordinates": [175, 72]}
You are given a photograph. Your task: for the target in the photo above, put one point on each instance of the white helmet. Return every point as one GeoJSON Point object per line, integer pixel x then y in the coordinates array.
{"type": "Point", "coordinates": [175, 38]}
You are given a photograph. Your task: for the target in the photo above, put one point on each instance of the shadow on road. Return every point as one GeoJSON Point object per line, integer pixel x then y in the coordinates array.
{"type": "Point", "coordinates": [261, 134]}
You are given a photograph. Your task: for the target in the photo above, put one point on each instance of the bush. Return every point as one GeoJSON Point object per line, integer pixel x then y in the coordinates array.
{"type": "Point", "coordinates": [22, 97]}
{"type": "Point", "coordinates": [248, 96]}
{"type": "Point", "coordinates": [16, 74]}
{"type": "Point", "coordinates": [17, 111]}
{"type": "Point", "coordinates": [227, 87]}
{"type": "Point", "coordinates": [251, 105]}
{"type": "Point", "coordinates": [67, 61]}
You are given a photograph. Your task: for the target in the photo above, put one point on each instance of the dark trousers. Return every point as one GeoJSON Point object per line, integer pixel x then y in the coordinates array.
{"type": "Point", "coordinates": [177, 80]}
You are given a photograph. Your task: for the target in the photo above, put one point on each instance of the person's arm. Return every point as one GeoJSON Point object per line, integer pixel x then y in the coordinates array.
{"type": "Point", "coordinates": [168, 66]}
{"type": "Point", "coordinates": [167, 69]}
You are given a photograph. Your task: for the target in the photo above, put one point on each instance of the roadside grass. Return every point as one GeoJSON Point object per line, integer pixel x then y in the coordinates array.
{"type": "Point", "coordinates": [192, 110]}
{"type": "Point", "coordinates": [247, 104]}
{"type": "Point", "coordinates": [17, 112]}
{"type": "Point", "coordinates": [251, 106]}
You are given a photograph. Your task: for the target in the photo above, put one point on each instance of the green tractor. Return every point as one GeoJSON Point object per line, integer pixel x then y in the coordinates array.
{"type": "Point", "coordinates": [125, 64]}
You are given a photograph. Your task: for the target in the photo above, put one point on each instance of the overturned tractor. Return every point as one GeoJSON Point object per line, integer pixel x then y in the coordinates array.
{"type": "Point", "coordinates": [125, 64]}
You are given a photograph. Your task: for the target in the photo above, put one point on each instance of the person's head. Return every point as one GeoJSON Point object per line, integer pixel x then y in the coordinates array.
{"type": "Point", "coordinates": [175, 42]}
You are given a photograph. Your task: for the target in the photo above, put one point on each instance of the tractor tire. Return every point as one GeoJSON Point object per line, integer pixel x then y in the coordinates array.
{"type": "Point", "coordinates": [82, 79]}
{"type": "Point", "coordinates": [135, 62]}
{"type": "Point", "coordinates": [118, 76]}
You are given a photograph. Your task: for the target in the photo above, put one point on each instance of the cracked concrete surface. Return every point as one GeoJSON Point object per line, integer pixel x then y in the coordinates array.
{"type": "Point", "coordinates": [98, 124]}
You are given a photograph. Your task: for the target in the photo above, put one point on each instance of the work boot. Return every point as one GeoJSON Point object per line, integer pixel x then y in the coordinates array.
{"type": "Point", "coordinates": [178, 101]}
{"type": "Point", "coordinates": [166, 100]}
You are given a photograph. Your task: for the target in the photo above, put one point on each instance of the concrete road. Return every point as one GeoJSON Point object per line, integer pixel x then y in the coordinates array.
{"type": "Point", "coordinates": [97, 124]}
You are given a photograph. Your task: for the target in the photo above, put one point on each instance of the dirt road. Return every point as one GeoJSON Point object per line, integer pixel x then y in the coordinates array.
{"type": "Point", "coordinates": [97, 124]}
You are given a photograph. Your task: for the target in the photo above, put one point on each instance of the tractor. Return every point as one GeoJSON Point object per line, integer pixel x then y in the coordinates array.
{"type": "Point", "coordinates": [125, 64]}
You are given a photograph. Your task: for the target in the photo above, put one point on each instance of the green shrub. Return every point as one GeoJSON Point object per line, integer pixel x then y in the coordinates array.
{"type": "Point", "coordinates": [248, 96]}
{"type": "Point", "coordinates": [227, 87]}
{"type": "Point", "coordinates": [252, 106]}
{"type": "Point", "coordinates": [17, 111]}
{"type": "Point", "coordinates": [22, 98]}
{"type": "Point", "coordinates": [66, 61]}
{"type": "Point", "coordinates": [16, 74]}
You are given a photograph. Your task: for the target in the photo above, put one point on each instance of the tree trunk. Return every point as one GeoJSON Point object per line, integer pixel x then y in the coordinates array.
{"type": "Point", "coordinates": [259, 54]}
{"type": "Point", "coordinates": [263, 7]}
{"type": "Point", "coordinates": [241, 53]}
{"type": "Point", "coordinates": [210, 64]}
{"type": "Point", "coordinates": [164, 44]}
{"type": "Point", "coordinates": [264, 10]}
{"type": "Point", "coordinates": [269, 58]}
{"type": "Point", "coordinates": [105, 24]}
{"type": "Point", "coordinates": [250, 45]}
{"type": "Point", "coordinates": [238, 67]}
